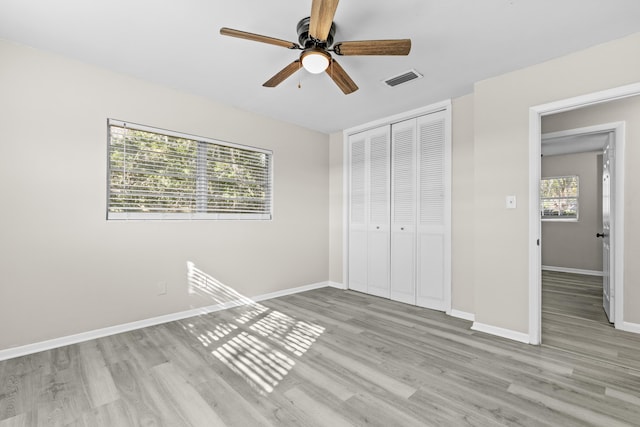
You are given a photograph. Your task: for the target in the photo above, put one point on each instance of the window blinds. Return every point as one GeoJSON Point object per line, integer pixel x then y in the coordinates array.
{"type": "Point", "coordinates": [158, 174]}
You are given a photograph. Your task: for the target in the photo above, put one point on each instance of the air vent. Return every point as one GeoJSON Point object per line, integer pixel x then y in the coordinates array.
{"type": "Point", "coordinates": [402, 78]}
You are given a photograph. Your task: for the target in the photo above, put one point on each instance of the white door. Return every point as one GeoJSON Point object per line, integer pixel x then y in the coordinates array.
{"type": "Point", "coordinates": [358, 201]}
{"type": "Point", "coordinates": [379, 205]}
{"type": "Point", "coordinates": [403, 211]}
{"type": "Point", "coordinates": [607, 255]}
{"type": "Point", "coordinates": [369, 203]}
{"type": "Point", "coordinates": [433, 223]}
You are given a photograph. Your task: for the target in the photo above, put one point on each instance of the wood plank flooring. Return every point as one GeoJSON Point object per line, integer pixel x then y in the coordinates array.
{"type": "Point", "coordinates": [321, 358]}
{"type": "Point", "coordinates": [573, 320]}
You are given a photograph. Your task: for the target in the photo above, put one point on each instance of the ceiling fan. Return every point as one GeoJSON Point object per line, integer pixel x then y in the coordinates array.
{"type": "Point", "coordinates": [315, 37]}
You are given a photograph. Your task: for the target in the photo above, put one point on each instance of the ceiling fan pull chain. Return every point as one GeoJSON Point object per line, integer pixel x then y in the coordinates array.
{"type": "Point", "coordinates": [299, 66]}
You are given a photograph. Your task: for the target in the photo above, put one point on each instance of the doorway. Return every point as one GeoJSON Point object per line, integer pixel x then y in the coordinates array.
{"type": "Point", "coordinates": [535, 279]}
{"type": "Point", "coordinates": [576, 302]}
{"type": "Point", "coordinates": [578, 214]}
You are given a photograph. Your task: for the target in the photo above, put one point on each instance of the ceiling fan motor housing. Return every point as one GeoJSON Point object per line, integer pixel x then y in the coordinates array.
{"type": "Point", "coordinates": [306, 41]}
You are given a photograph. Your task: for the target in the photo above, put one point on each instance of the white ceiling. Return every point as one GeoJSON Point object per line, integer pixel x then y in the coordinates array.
{"type": "Point", "coordinates": [454, 44]}
{"type": "Point", "coordinates": [571, 144]}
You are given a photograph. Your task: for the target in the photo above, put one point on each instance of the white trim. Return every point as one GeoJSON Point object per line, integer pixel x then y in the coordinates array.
{"type": "Point", "coordinates": [285, 292]}
{"type": "Point", "coordinates": [448, 216]}
{"type": "Point", "coordinates": [587, 130]}
{"type": "Point", "coordinates": [180, 216]}
{"type": "Point", "coordinates": [501, 332]}
{"type": "Point", "coordinates": [618, 225]}
{"type": "Point", "coordinates": [535, 229]}
{"type": "Point", "coordinates": [599, 97]}
{"type": "Point", "coordinates": [433, 108]}
{"type": "Point", "coordinates": [337, 285]}
{"type": "Point", "coordinates": [346, 183]}
{"type": "Point", "coordinates": [558, 219]}
{"type": "Point", "coordinates": [535, 115]}
{"type": "Point", "coordinates": [462, 315]}
{"type": "Point", "coordinates": [630, 327]}
{"type": "Point", "coordinates": [152, 129]}
{"type": "Point", "coordinates": [572, 270]}
{"type": "Point", "coordinates": [10, 353]}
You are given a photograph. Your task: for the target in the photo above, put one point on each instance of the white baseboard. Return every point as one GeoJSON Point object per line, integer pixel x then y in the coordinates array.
{"type": "Point", "coordinates": [290, 291]}
{"type": "Point", "coordinates": [572, 270]}
{"type": "Point", "coordinates": [630, 327]}
{"type": "Point", "coordinates": [337, 285]}
{"type": "Point", "coordinates": [501, 332]}
{"type": "Point", "coordinates": [10, 353]}
{"type": "Point", "coordinates": [463, 315]}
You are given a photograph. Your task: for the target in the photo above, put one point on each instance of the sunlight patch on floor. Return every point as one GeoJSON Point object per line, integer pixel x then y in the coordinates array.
{"type": "Point", "coordinates": [258, 343]}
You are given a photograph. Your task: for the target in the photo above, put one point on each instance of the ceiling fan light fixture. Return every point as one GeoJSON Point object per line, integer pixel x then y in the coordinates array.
{"type": "Point", "coordinates": [315, 60]}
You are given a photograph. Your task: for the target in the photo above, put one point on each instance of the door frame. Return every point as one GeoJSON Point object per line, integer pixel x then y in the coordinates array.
{"type": "Point", "coordinates": [616, 130]}
{"type": "Point", "coordinates": [535, 257]}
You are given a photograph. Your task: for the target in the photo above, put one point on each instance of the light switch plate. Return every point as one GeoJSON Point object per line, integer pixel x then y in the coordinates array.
{"type": "Point", "coordinates": [511, 202]}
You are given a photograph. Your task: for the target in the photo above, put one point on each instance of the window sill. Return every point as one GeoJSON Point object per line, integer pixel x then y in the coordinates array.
{"type": "Point", "coordinates": [136, 216]}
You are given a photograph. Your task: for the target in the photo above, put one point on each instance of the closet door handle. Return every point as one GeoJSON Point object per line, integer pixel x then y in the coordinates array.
{"type": "Point", "coordinates": [600, 235]}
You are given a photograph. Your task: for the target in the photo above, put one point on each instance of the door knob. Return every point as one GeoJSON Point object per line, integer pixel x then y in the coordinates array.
{"type": "Point", "coordinates": [600, 234]}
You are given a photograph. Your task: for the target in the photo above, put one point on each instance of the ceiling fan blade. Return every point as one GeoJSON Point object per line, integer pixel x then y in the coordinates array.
{"type": "Point", "coordinates": [258, 38]}
{"type": "Point", "coordinates": [322, 13]}
{"type": "Point", "coordinates": [283, 74]}
{"type": "Point", "coordinates": [374, 47]}
{"type": "Point", "coordinates": [341, 78]}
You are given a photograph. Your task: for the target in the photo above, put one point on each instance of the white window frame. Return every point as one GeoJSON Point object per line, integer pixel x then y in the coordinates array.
{"type": "Point", "coordinates": [561, 218]}
{"type": "Point", "coordinates": [180, 215]}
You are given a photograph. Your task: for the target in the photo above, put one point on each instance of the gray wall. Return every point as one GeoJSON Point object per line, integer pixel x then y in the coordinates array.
{"type": "Point", "coordinates": [336, 191]}
{"type": "Point", "coordinates": [65, 270]}
{"type": "Point", "coordinates": [573, 244]}
{"type": "Point", "coordinates": [462, 221]}
{"type": "Point", "coordinates": [501, 167]}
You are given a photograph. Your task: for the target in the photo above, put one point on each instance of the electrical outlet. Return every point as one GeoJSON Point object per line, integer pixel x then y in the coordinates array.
{"type": "Point", "coordinates": [511, 202]}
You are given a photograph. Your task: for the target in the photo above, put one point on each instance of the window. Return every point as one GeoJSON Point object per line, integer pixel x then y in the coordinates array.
{"type": "Point", "coordinates": [559, 197]}
{"type": "Point", "coordinates": [159, 174]}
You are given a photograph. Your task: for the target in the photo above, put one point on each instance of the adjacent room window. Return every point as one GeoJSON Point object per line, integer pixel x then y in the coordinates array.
{"type": "Point", "coordinates": [160, 174]}
{"type": "Point", "coordinates": [559, 197]}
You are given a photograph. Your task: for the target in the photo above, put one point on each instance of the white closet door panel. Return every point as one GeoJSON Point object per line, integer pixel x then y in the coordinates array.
{"type": "Point", "coordinates": [403, 267]}
{"type": "Point", "coordinates": [358, 213]}
{"type": "Point", "coordinates": [431, 269]}
{"type": "Point", "coordinates": [432, 212]}
{"type": "Point", "coordinates": [379, 185]}
{"type": "Point", "coordinates": [358, 182]}
{"type": "Point", "coordinates": [358, 260]}
{"type": "Point", "coordinates": [403, 174]}
{"type": "Point", "coordinates": [379, 205]}
{"type": "Point", "coordinates": [431, 158]}
{"type": "Point", "coordinates": [378, 263]}
{"type": "Point", "coordinates": [403, 211]}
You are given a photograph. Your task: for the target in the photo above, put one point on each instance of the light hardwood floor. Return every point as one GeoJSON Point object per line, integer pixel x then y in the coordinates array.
{"type": "Point", "coordinates": [323, 358]}
{"type": "Point", "coordinates": [573, 320]}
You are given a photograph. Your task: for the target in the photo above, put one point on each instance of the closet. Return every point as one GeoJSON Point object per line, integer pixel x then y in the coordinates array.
{"type": "Point", "coordinates": [399, 210]}
{"type": "Point", "coordinates": [369, 213]}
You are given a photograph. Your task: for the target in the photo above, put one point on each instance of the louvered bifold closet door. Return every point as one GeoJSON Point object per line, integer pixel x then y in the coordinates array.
{"type": "Point", "coordinates": [358, 212]}
{"type": "Point", "coordinates": [433, 212]}
{"type": "Point", "coordinates": [379, 206]}
{"type": "Point", "coordinates": [403, 211]}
